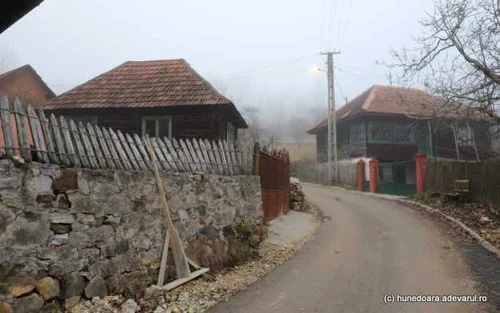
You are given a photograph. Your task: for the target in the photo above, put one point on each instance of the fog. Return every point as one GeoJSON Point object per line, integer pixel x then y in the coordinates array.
{"type": "Point", "coordinates": [259, 53]}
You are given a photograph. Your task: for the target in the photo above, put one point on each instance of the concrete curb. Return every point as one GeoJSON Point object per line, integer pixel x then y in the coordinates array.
{"type": "Point", "coordinates": [485, 243]}
{"type": "Point", "coordinates": [402, 200]}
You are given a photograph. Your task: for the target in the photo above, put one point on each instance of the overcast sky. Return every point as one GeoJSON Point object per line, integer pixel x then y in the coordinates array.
{"type": "Point", "coordinates": [259, 52]}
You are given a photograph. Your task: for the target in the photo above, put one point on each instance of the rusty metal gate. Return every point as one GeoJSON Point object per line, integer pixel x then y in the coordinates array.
{"type": "Point", "coordinates": [274, 172]}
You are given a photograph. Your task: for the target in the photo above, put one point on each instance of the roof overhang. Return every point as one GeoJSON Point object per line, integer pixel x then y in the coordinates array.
{"type": "Point", "coordinates": [13, 10]}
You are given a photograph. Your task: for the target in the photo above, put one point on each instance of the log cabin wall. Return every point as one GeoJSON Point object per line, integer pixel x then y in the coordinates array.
{"type": "Point", "coordinates": [187, 122]}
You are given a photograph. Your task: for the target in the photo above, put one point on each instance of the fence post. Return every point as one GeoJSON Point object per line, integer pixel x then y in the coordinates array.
{"type": "Point", "coordinates": [360, 173]}
{"type": "Point", "coordinates": [421, 165]}
{"type": "Point", "coordinates": [256, 157]}
{"type": "Point", "coordinates": [373, 175]}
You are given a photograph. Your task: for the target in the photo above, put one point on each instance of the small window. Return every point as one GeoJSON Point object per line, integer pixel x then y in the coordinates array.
{"type": "Point", "coordinates": [465, 136]}
{"type": "Point", "coordinates": [157, 126]}
{"type": "Point", "coordinates": [230, 132]}
{"type": "Point", "coordinates": [357, 133]}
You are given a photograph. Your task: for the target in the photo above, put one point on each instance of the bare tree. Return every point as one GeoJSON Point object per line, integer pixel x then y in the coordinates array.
{"type": "Point", "coordinates": [458, 55]}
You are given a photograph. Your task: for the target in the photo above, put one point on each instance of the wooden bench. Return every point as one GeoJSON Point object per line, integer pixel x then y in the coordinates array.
{"type": "Point", "coordinates": [460, 192]}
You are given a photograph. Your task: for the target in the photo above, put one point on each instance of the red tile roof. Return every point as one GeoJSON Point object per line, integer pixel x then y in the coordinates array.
{"type": "Point", "coordinates": [140, 84]}
{"type": "Point", "coordinates": [392, 100]}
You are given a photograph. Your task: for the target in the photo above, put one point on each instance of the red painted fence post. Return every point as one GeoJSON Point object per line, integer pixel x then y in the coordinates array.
{"type": "Point", "coordinates": [421, 165]}
{"type": "Point", "coordinates": [360, 172]}
{"type": "Point", "coordinates": [373, 175]}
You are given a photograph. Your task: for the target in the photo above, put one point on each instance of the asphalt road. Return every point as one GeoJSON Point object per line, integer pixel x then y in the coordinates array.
{"type": "Point", "coordinates": [366, 248]}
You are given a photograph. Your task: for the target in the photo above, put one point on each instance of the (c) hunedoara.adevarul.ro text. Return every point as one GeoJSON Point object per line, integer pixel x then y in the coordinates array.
{"type": "Point", "coordinates": [397, 298]}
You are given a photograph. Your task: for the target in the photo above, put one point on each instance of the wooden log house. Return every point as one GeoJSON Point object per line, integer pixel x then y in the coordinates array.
{"type": "Point", "coordinates": [163, 98]}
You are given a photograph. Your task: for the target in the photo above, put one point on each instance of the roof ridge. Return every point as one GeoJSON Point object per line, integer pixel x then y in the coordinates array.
{"type": "Point", "coordinates": [370, 97]}
{"type": "Point", "coordinates": [34, 72]}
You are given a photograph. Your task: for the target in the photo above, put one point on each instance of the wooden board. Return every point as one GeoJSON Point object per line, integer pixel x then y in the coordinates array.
{"type": "Point", "coordinates": [7, 127]}
{"type": "Point", "coordinates": [22, 131]}
{"type": "Point", "coordinates": [38, 138]}
{"type": "Point", "coordinates": [162, 164]}
{"type": "Point", "coordinates": [68, 142]}
{"type": "Point", "coordinates": [211, 166]}
{"type": "Point", "coordinates": [49, 138]}
{"type": "Point", "coordinates": [182, 157]}
{"type": "Point", "coordinates": [217, 155]}
{"type": "Point", "coordinates": [135, 152]}
{"type": "Point", "coordinates": [121, 153]}
{"type": "Point", "coordinates": [61, 148]}
{"type": "Point", "coordinates": [172, 151]}
{"type": "Point", "coordinates": [194, 157]}
{"type": "Point", "coordinates": [224, 159]}
{"type": "Point", "coordinates": [88, 146]}
{"type": "Point", "coordinates": [128, 152]}
{"type": "Point", "coordinates": [203, 161]}
{"type": "Point", "coordinates": [80, 150]}
{"type": "Point", "coordinates": [166, 155]}
{"type": "Point", "coordinates": [112, 149]}
{"type": "Point", "coordinates": [105, 148]}
{"type": "Point", "coordinates": [142, 150]}
{"type": "Point", "coordinates": [101, 161]}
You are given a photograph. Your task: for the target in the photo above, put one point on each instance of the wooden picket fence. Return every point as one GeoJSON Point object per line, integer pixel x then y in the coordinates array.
{"type": "Point", "coordinates": [31, 135]}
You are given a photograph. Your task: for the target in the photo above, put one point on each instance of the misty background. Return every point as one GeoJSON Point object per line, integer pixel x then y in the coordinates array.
{"type": "Point", "coordinates": [258, 53]}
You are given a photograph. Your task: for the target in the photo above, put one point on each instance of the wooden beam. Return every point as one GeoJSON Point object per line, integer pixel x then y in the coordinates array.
{"type": "Point", "coordinates": [178, 282]}
{"type": "Point", "coordinates": [164, 256]}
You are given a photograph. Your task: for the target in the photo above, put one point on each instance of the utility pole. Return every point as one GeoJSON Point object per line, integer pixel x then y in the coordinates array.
{"type": "Point", "coordinates": [332, 121]}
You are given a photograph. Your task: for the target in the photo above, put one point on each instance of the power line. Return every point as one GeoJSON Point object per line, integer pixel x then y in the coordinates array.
{"type": "Point", "coordinates": [348, 15]}
{"type": "Point", "coordinates": [269, 67]}
{"type": "Point", "coordinates": [266, 72]}
{"type": "Point", "coordinates": [258, 76]}
{"type": "Point", "coordinates": [322, 38]}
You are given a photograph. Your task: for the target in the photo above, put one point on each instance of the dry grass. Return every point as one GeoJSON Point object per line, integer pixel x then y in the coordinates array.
{"type": "Point", "coordinates": [306, 150]}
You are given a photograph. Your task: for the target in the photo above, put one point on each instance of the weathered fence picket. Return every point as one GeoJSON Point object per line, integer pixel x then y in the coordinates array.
{"type": "Point", "coordinates": [9, 132]}
{"type": "Point", "coordinates": [166, 155]}
{"type": "Point", "coordinates": [218, 160]}
{"type": "Point", "coordinates": [61, 150]}
{"type": "Point", "coordinates": [95, 144]}
{"type": "Point", "coordinates": [88, 146]}
{"type": "Point", "coordinates": [225, 157]}
{"type": "Point", "coordinates": [22, 131]}
{"type": "Point", "coordinates": [28, 133]}
{"type": "Point", "coordinates": [104, 145]}
{"type": "Point", "coordinates": [49, 138]}
{"type": "Point", "coordinates": [142, 149]}
{"type": "Point", "coordinates": [204, 155]}
{"type": "Point", "coordinates": [37, 134]}
{"type": "Point", "coordinates": [112, 149]}
{"type": "Point", "coordinates": [191, 151]}
{"type": "Point", "coordinates": [135, 152]}
{"type": "Point", "coordinates": [80, 151]}
{"type": "Point", "coordinates": [179, 166]}
{"type": "Point", "coordinates": [130, 156]}
{"type": "Point", "coordinates": [121, 153]}
{"type": "Point", "coordinates": [159, 155]}
{"type": "Point", "coordinates": [68, 142]}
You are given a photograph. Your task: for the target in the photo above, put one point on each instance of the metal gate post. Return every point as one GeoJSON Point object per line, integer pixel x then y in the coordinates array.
{"type": "Point", "coordinates": [373, 175]}
{"type": "Point", "coordinates": [360, 172]}
{"type": "Point", "coordinates": [421, 165]}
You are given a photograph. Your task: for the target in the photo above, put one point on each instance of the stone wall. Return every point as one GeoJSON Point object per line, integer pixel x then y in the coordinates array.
{"type": "Point", "coordinates": [66, 233]}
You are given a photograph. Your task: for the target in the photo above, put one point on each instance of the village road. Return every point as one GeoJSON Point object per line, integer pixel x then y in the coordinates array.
{"type": "Point", "coordinates": [366, 250]}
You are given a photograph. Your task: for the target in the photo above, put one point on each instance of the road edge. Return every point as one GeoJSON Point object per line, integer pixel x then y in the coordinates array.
{"type": "Point", "coordinates": [398, 199]}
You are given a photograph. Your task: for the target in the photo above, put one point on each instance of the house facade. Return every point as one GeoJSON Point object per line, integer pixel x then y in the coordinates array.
{"type": "Point", "coordinates": [392, 124]}
{"type": "Point", "coordinates": [25, 84]}
{"type": "Point", "coordinates": [164, 98]}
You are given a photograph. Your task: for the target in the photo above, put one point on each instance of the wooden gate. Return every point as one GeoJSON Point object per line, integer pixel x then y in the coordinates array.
{"type": "Point", "coordinates": [274, 171]}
